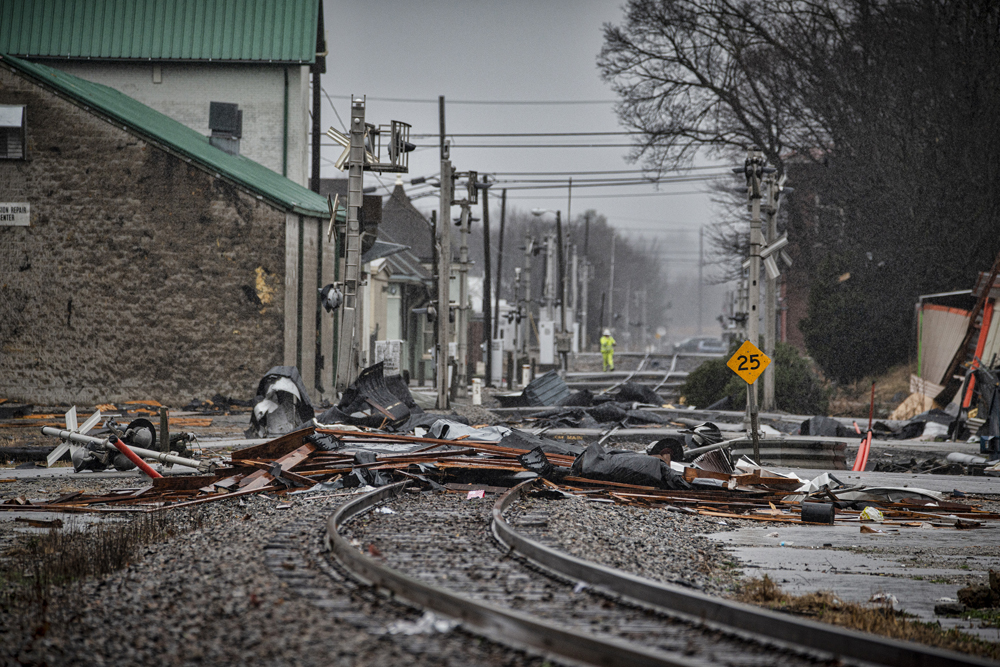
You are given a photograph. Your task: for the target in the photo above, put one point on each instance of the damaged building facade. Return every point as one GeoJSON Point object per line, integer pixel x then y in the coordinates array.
{"type": "Point", "coordinates": [144, 263]}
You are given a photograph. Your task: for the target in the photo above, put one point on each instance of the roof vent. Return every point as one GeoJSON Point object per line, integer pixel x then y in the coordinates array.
{"type": "Point", "coordinates": [225, 120]}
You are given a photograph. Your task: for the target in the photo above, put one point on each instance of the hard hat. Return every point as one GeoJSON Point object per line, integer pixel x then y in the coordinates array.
{"type": "Point", "coordinates": [607, 332]}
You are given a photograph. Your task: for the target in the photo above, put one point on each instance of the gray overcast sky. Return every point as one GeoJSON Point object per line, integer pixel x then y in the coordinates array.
{"type": "Point", "coordinates": [510, 50]}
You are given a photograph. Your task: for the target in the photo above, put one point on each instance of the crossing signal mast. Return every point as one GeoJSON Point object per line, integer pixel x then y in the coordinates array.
{"type": "Point", "coordinates": [363, 147]}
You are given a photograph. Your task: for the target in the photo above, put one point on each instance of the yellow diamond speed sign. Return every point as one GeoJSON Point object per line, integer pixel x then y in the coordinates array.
{"type": "Point", "coordinates": [748, 362]}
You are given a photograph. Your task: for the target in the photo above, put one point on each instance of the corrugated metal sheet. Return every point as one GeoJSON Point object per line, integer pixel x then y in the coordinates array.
{"type": "Point", "coordinates": [281, 31]}
{"type": "Point", "coordinates": [941, 332]}
{"type": "Point", "coordinates": [548, 389]}
{"type": "Point", "coordinates": [177, 138]}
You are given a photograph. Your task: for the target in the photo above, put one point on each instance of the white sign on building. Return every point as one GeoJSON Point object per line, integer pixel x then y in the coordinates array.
{"type": "Point", "coordinates": [390, 352]}
{"type": "Point", "coordinates": [15, 214]}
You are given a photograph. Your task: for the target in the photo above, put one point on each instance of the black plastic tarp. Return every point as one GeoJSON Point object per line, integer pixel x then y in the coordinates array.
{"type": "Point", "coordinates": [281, 405]}
{"type": "Point", "coordinates": [626, 468]}
{"type": "Point", "coordinates": [824, 426]}
{"type": "Point", "coordinates": [634, 392]}
{"type": "Point", "coordinates": [374, 401]}
{"type": "Point", "coordinates": [518, 439]}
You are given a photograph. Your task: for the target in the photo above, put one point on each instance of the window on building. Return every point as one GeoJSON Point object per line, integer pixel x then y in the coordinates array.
{"type": "Point", "coordinates": [12, 132]}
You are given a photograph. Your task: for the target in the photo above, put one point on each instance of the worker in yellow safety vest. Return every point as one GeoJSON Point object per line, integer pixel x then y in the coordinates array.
{"type": "Point", "coordinates": [608, 350]}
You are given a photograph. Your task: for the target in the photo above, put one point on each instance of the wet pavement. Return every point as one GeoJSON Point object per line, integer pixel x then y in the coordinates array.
{"type": "Point", "coordinates": [919, 566]}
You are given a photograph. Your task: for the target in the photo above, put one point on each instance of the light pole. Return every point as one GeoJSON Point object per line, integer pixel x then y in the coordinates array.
{"type": "Point", "coordinates": [562, 340]}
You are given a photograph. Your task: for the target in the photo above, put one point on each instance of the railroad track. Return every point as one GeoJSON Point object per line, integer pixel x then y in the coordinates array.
{"type": "Point", "coordinates": [670, 381]}
{"type": "Point", "coordinates": [462, 560]}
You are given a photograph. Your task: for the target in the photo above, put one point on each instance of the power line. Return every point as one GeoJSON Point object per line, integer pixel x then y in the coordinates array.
{"type": "Point", "coordinates": [412, 100]}
{"type": "Point", "coordinates": [606, 184]}
{"type": "Point", "coordinates": [601, 171]}
{"type": "Point", "coordinates": [614, 196]}
{"type": "Point", "coordinates": [530, 145]}
{"type": "Point", "coordinates": [530, 134]}
{"type": "Point", "coordinates": [647, 179]}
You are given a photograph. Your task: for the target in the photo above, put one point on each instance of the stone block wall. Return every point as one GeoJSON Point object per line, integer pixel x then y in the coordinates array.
{"type": "Point", "coordinates": [140, 277]}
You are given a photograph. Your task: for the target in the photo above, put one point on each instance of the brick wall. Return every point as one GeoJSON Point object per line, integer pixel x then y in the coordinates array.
{"type": "Point", "coordinates": [140, 277]}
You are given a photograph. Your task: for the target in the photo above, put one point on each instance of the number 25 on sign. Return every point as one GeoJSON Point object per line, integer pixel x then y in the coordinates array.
{"type": "Point", "coordinates": [748, 362]}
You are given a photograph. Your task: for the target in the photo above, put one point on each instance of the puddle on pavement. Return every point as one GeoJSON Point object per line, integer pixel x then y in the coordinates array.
{"type": "Point", "coordinates": [856, 566]}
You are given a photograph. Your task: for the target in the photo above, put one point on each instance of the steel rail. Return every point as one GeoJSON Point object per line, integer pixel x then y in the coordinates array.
{"type": "Point", "coordinates": [673, 366]}
{"type": "Point", "coordinates": [724, 613]}
{"type": "Point", "coordinates": [499, 624]}
{"type": "Point", "coordinates": [629, 376]}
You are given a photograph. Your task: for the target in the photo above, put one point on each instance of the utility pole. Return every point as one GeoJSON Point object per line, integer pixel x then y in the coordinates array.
{"type": "Point", "coordinates": [611, 289]}
{"type": "Point", "coordinates": [347, 346]}
{"type": "Point", "coordinates": [444, 279]}
{"type": "Point", "coordinates": [487, 285]}
{"type": "Point", "coordinates": [770, 293]}
{"type": "Point", "coordinates": [526, 274]}
{"type": "Point", "coordinates": [642, 325]}
{"type": "Point", "coordinates": [362, 146]}
{"type": "Point", "coordinates": [585, 343]}
{"type": "Point", "coordinates": [574, 283]}
{"type": "Point", "coordinates": [701, 282]}
{"type": "Point", "coordinates": [563, 356]}
{"type": "Point", "coordinates": [462, 316]}
{"type": "Point", "coordinates": [496, 309]}
{"type": "Point", "coordinates": [754, 169]}
{"type": "Point", "coordinates": [550, 270]}
{"type": "Point", "coordinates": [517, 313]}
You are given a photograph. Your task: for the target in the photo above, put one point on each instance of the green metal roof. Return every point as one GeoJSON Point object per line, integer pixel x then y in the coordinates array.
{"type": "Point", "coordinates": [279, 31]}
{"type": "Point", "coordinates": [176, 138]}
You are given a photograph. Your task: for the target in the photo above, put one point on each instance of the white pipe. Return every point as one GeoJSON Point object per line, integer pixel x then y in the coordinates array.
{"type": "Point", "coordinates": [79, 438]}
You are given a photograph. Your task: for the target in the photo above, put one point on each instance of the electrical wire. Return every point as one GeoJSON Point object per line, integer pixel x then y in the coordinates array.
{"type": "Point", "coordinates": [411, 100]}
{"type": "Point", "coordinates": [616, 196]}
{"type": "Point", "coordinates": [336, 113]}
{"type": "Point", "coordinates": [530, 134]}
{"type": "Point", "coordinates": [531, 146]}
{"type": "Point", "coordinates": [600, 171]}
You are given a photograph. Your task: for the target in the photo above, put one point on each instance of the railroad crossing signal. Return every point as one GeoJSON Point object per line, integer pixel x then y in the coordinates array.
{"type": "Point", "coordinates": [748, 362]}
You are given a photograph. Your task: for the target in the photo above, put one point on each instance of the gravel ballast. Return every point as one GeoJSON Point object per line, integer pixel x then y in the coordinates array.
{"type": "Point", "coordinates": [241, 588]}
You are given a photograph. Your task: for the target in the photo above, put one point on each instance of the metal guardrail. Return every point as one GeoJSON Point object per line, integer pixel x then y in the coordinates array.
{"type": "Point", "coordinates": [761, 622]}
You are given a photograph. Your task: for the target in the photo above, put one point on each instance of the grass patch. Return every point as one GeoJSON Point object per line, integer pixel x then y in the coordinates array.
{"type": "Point", "coordinates": [988, 618]}
{"type": "Point", "coordinates": [826, 607]}
{"type": "Point", "coordinates": [38, 563]}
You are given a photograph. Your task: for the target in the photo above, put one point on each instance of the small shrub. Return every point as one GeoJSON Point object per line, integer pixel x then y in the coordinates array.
{"type": "Point", "coordinates": [797, 387]}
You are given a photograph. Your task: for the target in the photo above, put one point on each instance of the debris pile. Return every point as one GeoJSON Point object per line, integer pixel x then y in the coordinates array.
{"type": "Point", "coordinates": [377, 435]}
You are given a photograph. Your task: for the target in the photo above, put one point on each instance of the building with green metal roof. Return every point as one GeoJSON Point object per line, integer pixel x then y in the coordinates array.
{"type": "Point", "coordinates": [139, 261]}
{"type": "Point", "coordinates": [178, 56]}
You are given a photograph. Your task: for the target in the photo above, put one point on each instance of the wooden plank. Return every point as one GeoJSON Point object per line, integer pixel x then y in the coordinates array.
{"type": "Point", "coordinates": [286, 462]}
{"type": "Point", "coordinates": [274, 448]}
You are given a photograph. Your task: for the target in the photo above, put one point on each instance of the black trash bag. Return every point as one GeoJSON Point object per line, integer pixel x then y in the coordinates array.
{"type": "Point", "coordinates": [518, 439]}
{"type": "Point", "coordinates": [536, 461]}
{"type": "Point", "coordinates": [644, 417]}
{"type": "Point", "coordinates": [370, 402]}
{"type": "Point", "coordinates": [626, 468]}
{"type": "Point", "coordinates": [580, 399]}
{"type": "Point", "coordinates": [634, 392]}
{"type": "Point", "coordinates": [914, 427]}
{"type": "Point", "coordinates": [824, 426]}
{"type": "Point", "coordinates": [672, 444]}
{"type": "Point", "coordinates": [607, 412]}
{"type": "Point", "coordinates": [282, 403]}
